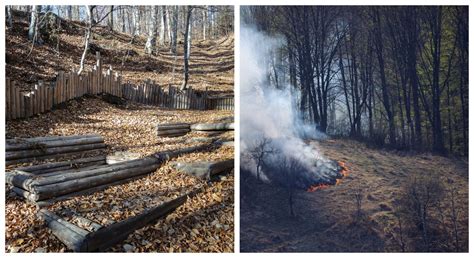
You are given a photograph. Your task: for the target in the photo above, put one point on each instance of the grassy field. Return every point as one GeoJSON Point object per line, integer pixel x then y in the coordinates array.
{"type": "Point", "coordinates": [327, 220]}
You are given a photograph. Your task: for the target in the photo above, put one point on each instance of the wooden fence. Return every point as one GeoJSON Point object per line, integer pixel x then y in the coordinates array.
{"type": "Point", "coordinates": [44, 96]}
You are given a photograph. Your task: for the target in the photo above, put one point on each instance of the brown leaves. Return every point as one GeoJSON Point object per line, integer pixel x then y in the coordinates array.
{"type": "Point", "coordinates": [190, 228]}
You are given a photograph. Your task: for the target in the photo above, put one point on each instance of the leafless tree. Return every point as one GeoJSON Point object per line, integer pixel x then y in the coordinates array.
{"type": "Point", "coordinates": [420, 195]}
{"type": "Point", "coordinates": [150, 46]}
{"type": "Point", "coordinates": [187, 46]}
{"type": "Point", "coordinates": [9, 15]}
{"type": "Point", "coordinates": [260, 150]}
{"type": "Point", "coordinates": [33, 27]}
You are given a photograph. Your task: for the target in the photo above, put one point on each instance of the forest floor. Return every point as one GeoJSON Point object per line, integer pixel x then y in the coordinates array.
{"type": "Point", "coordinates": [204, 224]}
{"type": "Point", "coordinates": [211, 61]}
{"type": "Point", "coordinates": [326, 220]}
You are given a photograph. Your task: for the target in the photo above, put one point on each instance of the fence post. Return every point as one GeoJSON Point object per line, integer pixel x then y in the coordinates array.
{"type": "Point", "coordinates": [40, 97]}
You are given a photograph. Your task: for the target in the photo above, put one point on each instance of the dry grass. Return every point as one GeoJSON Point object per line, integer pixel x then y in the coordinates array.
{"type": "Point", "coordinates": [326, 219]}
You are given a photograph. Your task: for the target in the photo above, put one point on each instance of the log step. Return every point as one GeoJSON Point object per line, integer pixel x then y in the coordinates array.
{"type": "Point", "coordinates": [22, 150]}
{"type": "Point", "coordinates": [205, 170]}
{"type": "Point", "coordinates": [213, 127]}
{"type": "Point", "coordinates": [99, 237]}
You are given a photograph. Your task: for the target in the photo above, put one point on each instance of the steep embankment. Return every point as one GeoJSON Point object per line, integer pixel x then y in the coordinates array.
{"type": "Point", "coordinates": [326, 220]}
{"type": "Point", "coordinates": [211, 63]}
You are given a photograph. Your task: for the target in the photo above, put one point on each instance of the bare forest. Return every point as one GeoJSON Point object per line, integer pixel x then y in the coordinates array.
{"type": "Point", "coordinates": [360, 138]}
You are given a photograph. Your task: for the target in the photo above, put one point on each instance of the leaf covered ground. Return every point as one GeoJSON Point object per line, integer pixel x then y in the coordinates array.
{"type": "Point", "coordinates": [327, 220]}
{"type": "Point", "coordinates": [205, 223]}
{"type": "Point", "coordinates": [211, 61]}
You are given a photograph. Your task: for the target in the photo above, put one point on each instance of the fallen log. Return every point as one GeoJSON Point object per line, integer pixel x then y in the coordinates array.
{"type": "Point", "coordinates": [22, 154]}
{"type": "Point", "coordinates": [173, 132]}
{"type": "Point", "coordinates": [121, 156]}
{"type": "Point", "coordinates": [43, 192]}
{"type": "Point", "coordinates": [205, 170]}
{"type": "Point", "coordinates": [165, 127]}
{"type": "Point", "coordinates": [53, 186]}
{"type": "Point", "coordinates": [71, 235]}
{"type": "Point", "coordinates": [113, 234]}
{"type": "Point", "coordinates": [87, 172]}
{"type": "Point", "coordinates": [48, 138]}
{"type": "Point", "coordinates": [53, 156]}
{"type": "Point", "coordinates": [50, 167]}
{"type": "Point", "coordinates": [166, 155]}
{"type": "Point", "coordinates": [100, 238]}
{"type": "Point", "coordinates": [82, 222]}
{"type": "Point", "coordinates": [213, 127]}
{"type": "Point", "coordinates": [87, 191]}
{"type": "Point", "coordinates": [40, 145]}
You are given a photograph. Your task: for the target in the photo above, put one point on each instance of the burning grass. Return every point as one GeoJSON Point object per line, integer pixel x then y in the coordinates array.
{"type": "Point", "coordinates": [360, 214]}
{"type": "Point", "coordinates": [343, 171]}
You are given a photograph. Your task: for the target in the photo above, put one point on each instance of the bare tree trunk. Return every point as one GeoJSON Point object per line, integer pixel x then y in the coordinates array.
{"type": "Point", "coordinates": [136, 21]}
{"type": "Point", "coordinates": [168, 23]}
{"type": "Point", "coordinates": [187, 47]}
{"type": "Point", "coordinates": [122, 14]}
{"type": "Point", "coordinates": [204, 22]}
{"type": "Point", "coordinates": [213, 24]}
{"type": "Point", "coordinates": [150, 47]}
{"type": "Point", "coordinates": [130, 28]}
{"type": "Point", "coordinates": [69, 12]}
{"type": "Point", "coordinates": [90, 9]}
{"type": "Point", "coordinates": [77, 12]}
{"type": "Point", "coordinates": [110, 22]}
{"type": "Point", "coordinates": [174, 38]}
{"type": "Point", "coordinates": [9, 14]}
{"type": "Point", "coordinates": [163, 26]}
{"type": "Point", "coordinates": [33, 22]}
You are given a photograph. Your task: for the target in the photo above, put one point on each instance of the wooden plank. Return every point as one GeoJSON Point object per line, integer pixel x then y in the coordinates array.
{"type": "Point", "coordinates": [50, 95]}
{"type": "Point", "coordinates": [16, 101]}
{"type": "Point", "coordinates": [12, 100]}
{"type": "Point", "coordinates": [51, 201]}
{"type": "Point", "coordinates": [49, 144]}
{"type": "Point", "coordinates": [37, 99]}
{"type": "Point", "coordinates": [8, 99]}
{"type": "Point", "coordinates": [71, 235]}
{"type": "Point", "coordinates": [72, 84]}
{"type": "Point", "coordinates": [30, 104]}
{"type": "Point", "coordinates": [47, 167]}
{"type": "Point", "coordinates": [22, 104]}
{"type": "Point", "coordinates": [50, 191]}
{"type": "Point", "coordinates": [113, 234]}
{"type": "Point", "coordinates": [24, 154]}
{"type": "Point", "coordinates": [33, 100]}
{"type": "Point", "coordinates": [42, 101]}
{"type": "Point", "coordinates": [46, 97]}
{"type": "Point", "coordinates": [63, 87]}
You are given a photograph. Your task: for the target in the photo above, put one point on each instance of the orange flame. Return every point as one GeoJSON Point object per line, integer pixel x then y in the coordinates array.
{"type": "Point", "coordinates": [316, 187]}
{"type": "Point", "coordinates": [344, 172]}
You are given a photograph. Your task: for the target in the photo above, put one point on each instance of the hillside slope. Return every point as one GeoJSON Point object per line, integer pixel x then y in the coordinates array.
{"type": "Point", "coordinates": [211, 62]}
{"type": "Point", "coordinates": [326, 220]}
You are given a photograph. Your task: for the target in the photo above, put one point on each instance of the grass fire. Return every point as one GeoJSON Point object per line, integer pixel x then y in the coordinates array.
{"type": "Point", "coordinates": [353, 129]}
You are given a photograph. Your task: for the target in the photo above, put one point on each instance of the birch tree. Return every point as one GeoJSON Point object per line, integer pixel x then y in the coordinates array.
{"type": "Point", "coordinates": [32, 29]}
{"type": "Point", "coordinates": [187, 46]}
{"type": "Point", "coordinates": [150, 46]}
{"type": "Point", "coordinates": [90, 10]}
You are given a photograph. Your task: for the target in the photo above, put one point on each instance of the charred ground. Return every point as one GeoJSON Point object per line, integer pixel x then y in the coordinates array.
{"type": "Point", "coordinates": [327, 221]}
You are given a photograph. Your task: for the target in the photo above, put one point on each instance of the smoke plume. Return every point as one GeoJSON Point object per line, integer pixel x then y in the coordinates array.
{"type": "Point", "coordinates": [269, 112]}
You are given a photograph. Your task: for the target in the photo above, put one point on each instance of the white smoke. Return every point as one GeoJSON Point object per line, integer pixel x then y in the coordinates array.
{"type": "Point", "coordinates": [267, 111]}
